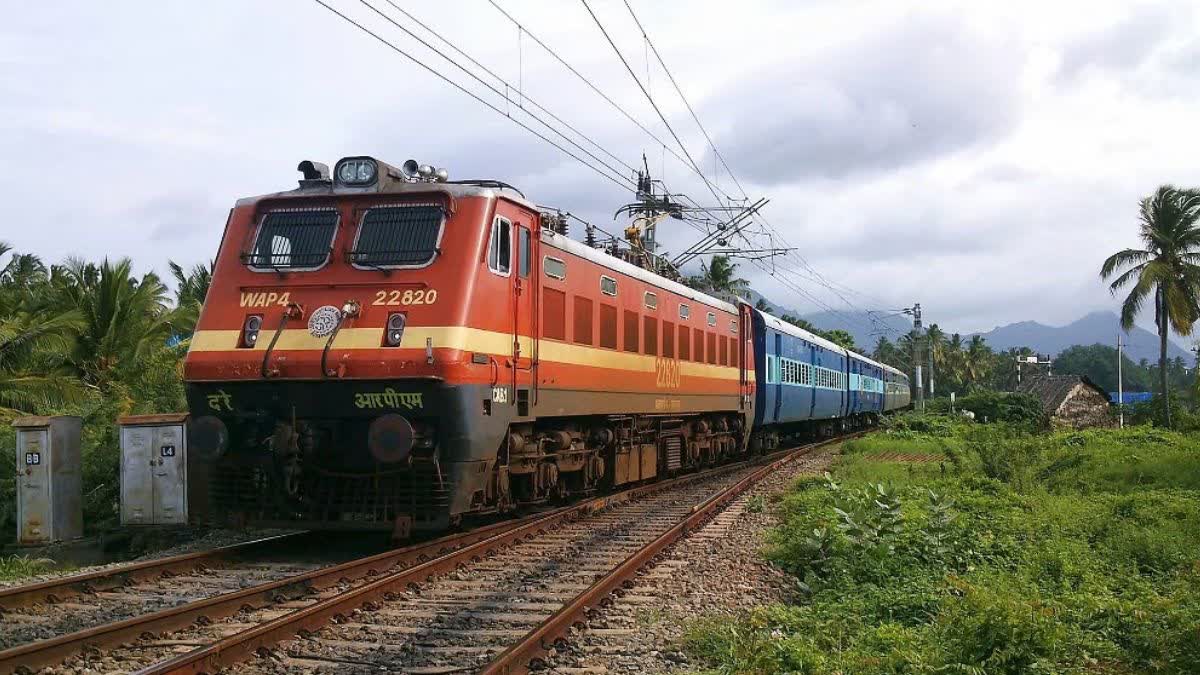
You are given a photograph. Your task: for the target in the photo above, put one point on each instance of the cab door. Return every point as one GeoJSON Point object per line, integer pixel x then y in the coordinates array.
{"type": "Point", "coordinates": [745, 356]}
{"type": "Point", "coordinates": [525, 311]}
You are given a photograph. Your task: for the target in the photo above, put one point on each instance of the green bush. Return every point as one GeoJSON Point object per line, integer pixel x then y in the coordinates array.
{"type": "Point", "coordinates": [1074, 552]}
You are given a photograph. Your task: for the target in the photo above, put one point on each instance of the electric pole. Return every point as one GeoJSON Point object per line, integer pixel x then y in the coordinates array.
{"type": "Point", "coordinates": [919, 385]}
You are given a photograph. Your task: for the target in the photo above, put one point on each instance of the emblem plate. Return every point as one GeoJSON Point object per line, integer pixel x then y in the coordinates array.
{"type": "Point", "coordinates": [324, 320]}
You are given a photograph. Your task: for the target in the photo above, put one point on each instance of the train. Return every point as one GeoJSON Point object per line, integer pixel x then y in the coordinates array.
{"type": "Point", "coordinates": [385, 348]}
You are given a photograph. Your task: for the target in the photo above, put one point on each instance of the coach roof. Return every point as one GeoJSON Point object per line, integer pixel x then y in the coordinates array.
{"type": "Point", "coordinates": [796, 331]}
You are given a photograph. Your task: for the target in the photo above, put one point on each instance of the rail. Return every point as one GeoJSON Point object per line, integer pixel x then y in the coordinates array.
{"type": "Point", "coordinates": [55, 590]}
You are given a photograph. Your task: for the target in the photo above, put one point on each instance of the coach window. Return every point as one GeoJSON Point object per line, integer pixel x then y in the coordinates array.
{"type": "Point", "coordinates": [684, 312]}
{"type": "Point", "coordinates": [524, 253]}
{"type": "Point", "coordinates": [500, 250]}
{"type": "Point", "coordinates": [651, 300]}
{"type": "Point", "coordinates": [554, 268]}
{"type": "Point", "coordinates": [608, 285]}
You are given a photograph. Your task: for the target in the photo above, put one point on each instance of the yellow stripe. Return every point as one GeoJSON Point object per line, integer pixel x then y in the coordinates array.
{"type": "Point", "coordinates": [461, 338]}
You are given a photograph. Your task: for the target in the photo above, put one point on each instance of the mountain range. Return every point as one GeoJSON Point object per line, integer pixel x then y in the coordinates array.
{"type": "Point", "coordinates": [1094, 328]}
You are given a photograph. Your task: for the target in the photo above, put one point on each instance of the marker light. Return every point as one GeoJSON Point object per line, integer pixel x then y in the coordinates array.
{"type": "Point", "coordinates": [394, 332]}
{"type": "Point", "coordinates": [356, 171]}
{"type": "Point", "coordinates": [250, 330]}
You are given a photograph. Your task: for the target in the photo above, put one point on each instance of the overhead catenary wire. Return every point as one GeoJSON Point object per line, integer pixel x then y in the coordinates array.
{"type": "Point", "coordinates": [679, 90]}
{"type": "Point", "coordinates": [712, 188]}
{"type": "Point", "coordinates": [480, 80]}
{"type": "Point", "coordinates": [520, 87]}
{"type": "Point", "coordinates": [592, 85]}
{"type": "Point", "coordinates": [815, 276]}
{"type": "Point", "coordinates": [609, 172]}
{"type": "Point", "coordinates": [620, 180]}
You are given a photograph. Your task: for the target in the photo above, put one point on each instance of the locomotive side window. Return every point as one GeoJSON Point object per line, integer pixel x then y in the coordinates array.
{"type": "Point", "coordinates": [608, 326]}
{"type": "Point", "coordinates": [296, 240]}
{"type": "Point", "coordinates": [554, 268]}
{"type": "Point", "coordinates": [651, 300]}
{"type": "Point", "coordinates": [712, 319]}
{"type": "Point", "coordinates": [523, 252]}
{"type": "Point", "coordinates": [650, 329]}
{"type": "Point", "coordinates": [608, 285]}
{"type": "Point", "coordinates": [500, 249]}
{"type": "Point", "coordinates": [684, 312]}
{"type": "Point", "coordinates": [631, 331]}
{"type": "Point", "coordinates": [398, 236]}
{"type": "Point", "coordinates": [583, 320]}
{"type": "Point", "coordinates": [554, 314]}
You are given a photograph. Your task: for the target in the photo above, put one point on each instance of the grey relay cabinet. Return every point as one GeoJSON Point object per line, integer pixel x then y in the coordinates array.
{"type": "Point", "coordinates": [49, 504]}
{"type": "Point", "coordinates": [158, 483]}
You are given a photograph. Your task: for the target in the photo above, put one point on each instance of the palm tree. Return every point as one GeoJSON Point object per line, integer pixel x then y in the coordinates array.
{"type": "Point", "coordinates": [719, 276]}
{"type": "Point", "coordinates": [123, 318]}
{"type": "Point", "coordinates": [977, 360]}
{"type": "Point", "coordinates": [954, 360]}
{"type": "Point", "coordinates": [35, 340]}
{"type": "Point", "coordinates": [191, 287]}
{"type": "Point", "coordinates": [1168, 267]}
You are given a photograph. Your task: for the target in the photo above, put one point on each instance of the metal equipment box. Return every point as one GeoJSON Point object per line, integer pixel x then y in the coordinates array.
{"type": "Point", "coordinates": [159, 485]}
{"type": "Point", "coordinates": [49, 501]}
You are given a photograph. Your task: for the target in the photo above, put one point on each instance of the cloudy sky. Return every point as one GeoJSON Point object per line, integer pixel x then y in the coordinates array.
{"type": "Point", "coordinates": [980, 158]}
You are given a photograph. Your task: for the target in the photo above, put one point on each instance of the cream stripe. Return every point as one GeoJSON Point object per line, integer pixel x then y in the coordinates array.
{"type": "Point", "coordinates": [461, 338]}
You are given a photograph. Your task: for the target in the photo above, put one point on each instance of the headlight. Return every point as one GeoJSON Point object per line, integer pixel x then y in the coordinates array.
{"type": "Point", "coordinates": [356, 171]}
{"type": "Point", "coordinates": [394, 333]}
{"type": "Point", "coordinates": [250, 330]}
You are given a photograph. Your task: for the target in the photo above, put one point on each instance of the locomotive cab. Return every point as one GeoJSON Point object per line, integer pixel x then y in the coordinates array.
{"type": "Point", "coordinates": [339, 368]}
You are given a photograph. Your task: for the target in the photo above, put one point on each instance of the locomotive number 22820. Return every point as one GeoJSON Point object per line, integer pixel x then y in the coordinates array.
{"type": "Point", "coordinates": [408, 297]}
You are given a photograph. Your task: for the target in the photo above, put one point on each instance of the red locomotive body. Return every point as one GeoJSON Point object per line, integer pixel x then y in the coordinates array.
{"type": "Point", "coordinates": [385, 349]}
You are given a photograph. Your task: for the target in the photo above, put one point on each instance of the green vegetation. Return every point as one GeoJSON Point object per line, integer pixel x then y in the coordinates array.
{"type": "Point", "coordinates": [19, 567]}
{"type": "Point", "coordinates": [92, 340]}
{"type": "Point", "coordinates": [1005, 551]}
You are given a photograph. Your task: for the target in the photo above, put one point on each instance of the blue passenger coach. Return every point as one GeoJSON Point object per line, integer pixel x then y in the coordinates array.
{"type": "Point", "coordinates": [807, 386]}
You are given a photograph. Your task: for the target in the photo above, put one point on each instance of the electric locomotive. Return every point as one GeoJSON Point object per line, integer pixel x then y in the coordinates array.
{"type": "Point", "coordinates": [383, 347]}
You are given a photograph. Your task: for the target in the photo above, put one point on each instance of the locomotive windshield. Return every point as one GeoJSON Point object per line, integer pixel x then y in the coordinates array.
{"type": "Point", "coordinates": [294, 239]}
{"type": "Point", "coordinates": [404, 235]}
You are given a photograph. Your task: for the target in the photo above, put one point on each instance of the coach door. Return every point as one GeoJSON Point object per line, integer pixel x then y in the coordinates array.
{"type": "Point", "coordinates": [745, 357]}
{"type": "Point", "coordinates": [525, 308]}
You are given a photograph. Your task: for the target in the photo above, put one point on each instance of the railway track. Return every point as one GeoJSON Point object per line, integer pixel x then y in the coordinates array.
{"type": "Point", "coordinates": [494, 599]}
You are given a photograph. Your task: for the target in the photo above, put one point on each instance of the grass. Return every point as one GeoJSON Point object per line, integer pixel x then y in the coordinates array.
{"type": "Point", "coordinates": [16, 567]}
{"type": "Point", "coordinates": [1020, 553]}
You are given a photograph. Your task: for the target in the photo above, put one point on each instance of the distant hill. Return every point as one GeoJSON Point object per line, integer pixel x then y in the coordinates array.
{"type": "Point", "coordinates": [1097, 327]}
